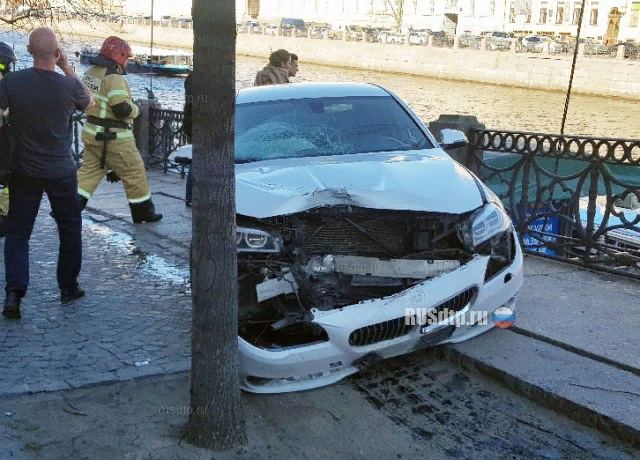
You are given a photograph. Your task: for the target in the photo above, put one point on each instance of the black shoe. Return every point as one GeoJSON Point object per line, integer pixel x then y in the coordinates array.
{"type": "Point", "coordinates": [12, 305]}
{"type": "Point", "coordinates": [187, 203]}
{"type": "Point", "coordinates": [67, 295]}
{"type": "Point", "coordinates": [144, 212]}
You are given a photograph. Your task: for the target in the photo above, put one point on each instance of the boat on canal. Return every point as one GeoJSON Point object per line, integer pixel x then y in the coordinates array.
{"type": "Point", "coordinates": [167, 63]}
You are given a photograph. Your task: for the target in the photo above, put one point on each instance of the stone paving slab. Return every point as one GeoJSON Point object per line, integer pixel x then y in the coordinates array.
{"type": "Point", "coordinates": [594, 312]}
{"type": "Point", "coordinates": [590, 392]}
{"type": "Point", "coordinates": [134, 321]}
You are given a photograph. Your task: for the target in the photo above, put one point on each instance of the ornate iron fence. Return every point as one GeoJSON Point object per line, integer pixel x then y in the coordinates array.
{"type": "Point", "coordinates": [77, 147]}
{"type": "Point", "coordinates": [570, 197]}
{"type": "Point", "coordinates": [165, 137]}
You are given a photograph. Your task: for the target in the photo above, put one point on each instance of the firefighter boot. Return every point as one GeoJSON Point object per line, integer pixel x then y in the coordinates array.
{"type": "Point", "coordinates": [144, 211]}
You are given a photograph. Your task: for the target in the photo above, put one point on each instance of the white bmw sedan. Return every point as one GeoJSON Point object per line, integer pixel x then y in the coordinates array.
{"type": "Point", "coordinates": [359, 238]}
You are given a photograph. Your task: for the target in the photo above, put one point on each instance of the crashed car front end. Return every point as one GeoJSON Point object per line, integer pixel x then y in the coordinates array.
{"type": "Point", "coordinates": [331, 290]}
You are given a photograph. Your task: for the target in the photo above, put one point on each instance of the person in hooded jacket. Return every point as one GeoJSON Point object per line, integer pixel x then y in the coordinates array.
{"type": "Point", "coordinates": [110, 148]}
{"type": "Point", "coordinates": [277, 71]}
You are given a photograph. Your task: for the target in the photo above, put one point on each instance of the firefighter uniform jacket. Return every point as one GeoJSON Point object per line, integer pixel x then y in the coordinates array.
{"type": "Point", "coordinates": [109, 89]}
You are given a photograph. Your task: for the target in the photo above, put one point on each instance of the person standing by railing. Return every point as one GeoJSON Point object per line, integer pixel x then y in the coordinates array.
{"type": "Point", "coordinates": [277, 71]}
{"type": "Point", "coordinates": [187, 129]}
{"type": "Point", "coordinates": [41, 103]}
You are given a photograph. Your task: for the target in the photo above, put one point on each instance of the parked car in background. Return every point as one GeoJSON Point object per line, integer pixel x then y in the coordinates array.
{"type": "Point", "coordinates": [555, 44]}
{"type": "Point", "coordinates": [319, 31]}
{"type": "Point", "coordinates": [498, 41]}
{"type": "Point", "coordinates": [271, 29]}
{"type": "Point", "coordinates": [358, 237]}
{"type": "Point", "coordinates": [631, 50]}
{"type": "Point", "coordinates": [293, 23]}
{"type": "Point", "coordinates": [468, 40]}
{"type": "Point", "coordinates": [418, 38]}
{"type": "Point", "coordinates": [532, 44]}
{"type": "Point", "coordinates": [247, 26]}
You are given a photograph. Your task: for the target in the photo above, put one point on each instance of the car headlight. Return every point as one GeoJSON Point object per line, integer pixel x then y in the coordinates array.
{"type": "Point", "coordinates": [254, 240]}
{"type": "Point", "coordinates": [489, 221]}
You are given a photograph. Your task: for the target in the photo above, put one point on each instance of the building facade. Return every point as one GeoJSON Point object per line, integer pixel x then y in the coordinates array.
{"type": "Point", "coordinates": [617, 19]}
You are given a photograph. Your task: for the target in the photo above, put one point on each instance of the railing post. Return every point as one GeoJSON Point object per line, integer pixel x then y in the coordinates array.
{"type": "Point", "coordinates": [467, 124]}
{"type": "Point", "coordinates": [407, 37]}
{"type": "Point", "coordinates": [142, 128]}
{"type": "Point", "coordinates": [514, 43]}
{"type": "Point", "coordinates": [545, 48]}
{"type": "Point", "coordinates": [430, 41]}
{"type": "Point", "coordinates": [456, 42]}
{"type": "Point", "coordinates": [620, 54]}
{"type": "Point", "coordinates": [581, 49]}
{"type": "Point", "coordinates": [483, 44]}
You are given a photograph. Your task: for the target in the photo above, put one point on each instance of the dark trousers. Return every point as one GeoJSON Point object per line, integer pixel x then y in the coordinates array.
{"type": "Point", "coordinates": [189, 184]}
{"type": "Point", "coordinates": [24, 203]}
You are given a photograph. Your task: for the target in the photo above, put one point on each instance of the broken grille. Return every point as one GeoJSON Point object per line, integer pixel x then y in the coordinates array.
{"type": "Point", "coordinates": [380, 332]}
{"type": "Point", "coordinates": [458, 301]}
{"type": "Point", "coordinates": [355, 236]}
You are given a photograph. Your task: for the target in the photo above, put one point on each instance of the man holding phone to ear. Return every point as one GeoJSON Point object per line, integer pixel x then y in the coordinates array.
{"type": "Point", "coordinates": [41, 103]}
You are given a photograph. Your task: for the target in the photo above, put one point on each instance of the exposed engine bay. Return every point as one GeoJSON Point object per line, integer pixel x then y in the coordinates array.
{"type": "Point", "coordinates": [331, 257]}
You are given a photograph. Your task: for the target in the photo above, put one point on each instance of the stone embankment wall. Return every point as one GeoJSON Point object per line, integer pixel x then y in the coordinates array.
{"type": "Point", "coordinates": [609, 76]}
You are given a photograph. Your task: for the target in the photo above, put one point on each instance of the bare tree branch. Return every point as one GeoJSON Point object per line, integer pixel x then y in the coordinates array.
{"type": "Point", "coordinates": [29, 14]}
{"type": "Point", "coordinates": [397, 10]}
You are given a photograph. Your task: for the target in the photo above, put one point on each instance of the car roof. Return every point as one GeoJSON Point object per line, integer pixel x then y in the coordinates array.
{"type": "Point", "coordinates": [307, 90]}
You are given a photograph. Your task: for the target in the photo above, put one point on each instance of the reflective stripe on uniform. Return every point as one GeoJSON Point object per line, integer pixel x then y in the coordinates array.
{"type": "Point", "coordinates": [84, 193]}
{"type": "Point", "coordinates": [99, 129]}
{"type": "Point", "coordinates": [140, 200]}
{"type": "Point", "coordinates": [5, 192]}
{"type": "Point", "coordinates": [117, 92]}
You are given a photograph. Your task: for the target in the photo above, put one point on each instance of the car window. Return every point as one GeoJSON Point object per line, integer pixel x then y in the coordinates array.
{"type": "Point", "coordinates": [324, 127]}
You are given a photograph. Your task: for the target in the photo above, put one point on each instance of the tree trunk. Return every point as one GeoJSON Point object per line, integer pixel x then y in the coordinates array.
{"type": "Point", "coordinates": [216, 418]}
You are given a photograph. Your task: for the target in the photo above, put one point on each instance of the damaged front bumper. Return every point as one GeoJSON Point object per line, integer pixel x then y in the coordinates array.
{"type": "Point", "coordinates": [366, 332]}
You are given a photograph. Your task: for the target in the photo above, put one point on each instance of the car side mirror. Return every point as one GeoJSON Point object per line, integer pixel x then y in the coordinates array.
{"type": "Point", "coordinates": [453, 139]}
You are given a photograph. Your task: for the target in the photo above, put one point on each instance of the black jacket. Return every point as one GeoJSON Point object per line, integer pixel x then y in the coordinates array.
{"type": "Point", "coordinates": [188, 98]}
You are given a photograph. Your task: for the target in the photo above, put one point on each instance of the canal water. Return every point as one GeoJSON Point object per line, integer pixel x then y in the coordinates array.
{"type": "Point", "coordinates": [498, 107]}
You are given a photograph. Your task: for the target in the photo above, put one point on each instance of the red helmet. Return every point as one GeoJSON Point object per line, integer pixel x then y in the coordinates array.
{"type": "Point", "coordinates": [116, 49]}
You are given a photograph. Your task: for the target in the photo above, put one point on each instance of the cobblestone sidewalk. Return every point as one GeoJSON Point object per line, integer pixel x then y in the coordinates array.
{"type": "Point", "coordinates": [134, 321]}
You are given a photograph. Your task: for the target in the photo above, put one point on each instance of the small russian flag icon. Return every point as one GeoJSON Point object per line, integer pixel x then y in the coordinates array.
{"type": "Point", "coordinates": [503, 317]}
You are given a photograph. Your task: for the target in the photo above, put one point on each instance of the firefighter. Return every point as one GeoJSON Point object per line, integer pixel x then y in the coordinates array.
{"type": "Point", "coordinates": [7, 59]}
{"type": "Point", "coordinates": [109, 145]}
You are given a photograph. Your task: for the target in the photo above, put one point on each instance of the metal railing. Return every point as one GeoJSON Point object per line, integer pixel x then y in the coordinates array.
{"type": "Point", "coordinates": [602, 51]}
{"type": "Point", "coordinates": [166, 135]}
{"type": "Point", "coordinates": [77, 147]}
{"type": "Point", "coordinates": [568, 196]}
{"type": "Point", "coordinates": [443, 42]}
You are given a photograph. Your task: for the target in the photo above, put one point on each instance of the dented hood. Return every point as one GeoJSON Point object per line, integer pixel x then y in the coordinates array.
{"type": "Point", "coordinates": [425, 180]}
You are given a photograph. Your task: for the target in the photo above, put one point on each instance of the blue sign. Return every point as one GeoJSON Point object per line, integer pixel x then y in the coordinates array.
{"type": "Point", "coordinates": [550, 227]}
